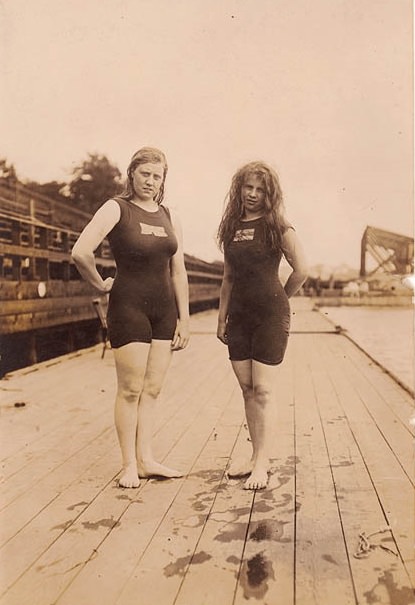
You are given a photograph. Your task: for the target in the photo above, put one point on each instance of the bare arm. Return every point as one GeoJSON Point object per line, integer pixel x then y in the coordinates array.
{"type": "Point", "coordinates": [94, 233]}
{"type": "Point", "coordinates": [225, 296]}
{"type": "Point", "coordinates": [294, 254]}
{"type": "Point", "coordinates": [181, 288]}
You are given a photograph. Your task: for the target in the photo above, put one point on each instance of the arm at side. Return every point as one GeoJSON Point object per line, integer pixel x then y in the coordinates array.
{"type": "Point", "coordinates": [225, 296]}
{"type": "Point", "coordinates": [293, 252]}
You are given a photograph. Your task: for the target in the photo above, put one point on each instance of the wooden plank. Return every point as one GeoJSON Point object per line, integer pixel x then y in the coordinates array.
{"type": "Point", "coordinates": [23, 510]}
{"type": "Point", "coordinates": [174, 546]}
{"type": "Point", "coordinates": [64, 559]}
{"type": "Point", "coordinates": [52, 452]}
{"type": "Point", "coordinates": [132, 538]}
{"type": "Point", "coordinates": [380, 577]}
{"type": "Point", "coordinates": [395, 431]}
{"type": "Point", "coordinates": [38, 305]}
{"type": "Point", "coordinates": [47, 398]}
{"type": "Point", "coordinates": [267, 570]}
{"type": "Point", "coordinates": [322, 568]}
{"type": "Point", "coordinates": [22, 556]}
{"type": "Point", "coordinates": [74, 537]}
{"type": "Point", "coordinates": [212, 575]}
{"type": "Point", "coordinates": [392, 487]}
{"type": "Point", "coordinates": [46, 413]}
{"type": "Point", "coordinates": [95, 395]}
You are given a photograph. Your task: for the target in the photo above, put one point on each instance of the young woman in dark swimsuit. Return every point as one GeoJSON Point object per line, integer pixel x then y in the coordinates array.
{"type": "Point", "coordinates": [148, 312]}
{"type": "Point", "coordinates": [254, 312]}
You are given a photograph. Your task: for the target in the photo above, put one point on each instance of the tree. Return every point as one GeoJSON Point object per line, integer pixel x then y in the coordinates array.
{"type": "Point", "coordinates": [94, 181]}
{"type": "Point", "coordinates": [52, 189]}
{"type": "Point", "coordinates": [7, 172]}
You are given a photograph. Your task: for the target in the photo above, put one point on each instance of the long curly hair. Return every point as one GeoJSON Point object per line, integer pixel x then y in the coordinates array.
{"type": "Point", "coordinates": [275, 220]}
{"type": "Point", "coordinates": [145, 155]}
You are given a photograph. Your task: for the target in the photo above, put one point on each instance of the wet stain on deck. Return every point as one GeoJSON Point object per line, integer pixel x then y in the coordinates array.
{"type": "Point", "coordinates": [329, 559]}
{"type": "Point", "coordinates": [193, 521]}
{"type": "Point", "coordinates": [179, 567]}
{"type": "Point", "coordinates": [255, 573]}
{"type": "Point", "coordinates": [111, 523]}
{"type": "Point", "coordinates": [208, 476]}
{"type": "Point", "coordinates": [343, 463]}
{"type": "Point", "coordinates": [64, 525]}
{"type": "Point", "coordinates": [202, 501]}
{"type": "Point", "coordinates": [269, 530]}
{"type": "Point", "coordinates": [261, 506]}
{"type": "Point", "coordinates": [123, 497]}
{"type": "Point", "coordinates": [286, 499]}
{"type": "Point", "coordinates": [236, 531]}
{"type": "Point", "coordinates": [77, 504]}
{"type": "Point", "coordinates": [386, 590]}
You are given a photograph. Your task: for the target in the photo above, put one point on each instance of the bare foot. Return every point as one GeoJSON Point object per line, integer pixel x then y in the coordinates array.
{"type": "Point", "coordinates": [240, 468]}
{"type": "Point", "coordinates": [258, 479]}
{"type": "Point", "coordinates": [129, 477]}
{"type": "Point", "coordinates": [151, 468]}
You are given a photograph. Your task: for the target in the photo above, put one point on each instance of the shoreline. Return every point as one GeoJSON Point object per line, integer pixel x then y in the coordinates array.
{"type": "Point", "coordinates": [400, 301]}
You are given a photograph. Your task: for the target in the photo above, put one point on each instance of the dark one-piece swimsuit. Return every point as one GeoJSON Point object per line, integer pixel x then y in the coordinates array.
{"type": "Point", "coordinates": [259, 312]}
{"type": "Point", "coordinates": [142, 304]}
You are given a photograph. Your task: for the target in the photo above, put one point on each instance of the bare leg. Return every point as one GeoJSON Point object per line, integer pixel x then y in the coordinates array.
{"type": "Point", "coordinates": [130, 363]}
{"type": "Point", "coordinates": [264, 414]}
{"type": "Point", "coordinates": [243, 372]}
{"type": "Point", "coordinates": [158, 362]}
{"type": "Point", "coordinates": [257, 383]}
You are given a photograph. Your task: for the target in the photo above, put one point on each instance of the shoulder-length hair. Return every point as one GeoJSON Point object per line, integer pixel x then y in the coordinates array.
{"type": "Point", "coordinates": [145, 155]}
{"type": "Point", "coordinates": [275, 220]}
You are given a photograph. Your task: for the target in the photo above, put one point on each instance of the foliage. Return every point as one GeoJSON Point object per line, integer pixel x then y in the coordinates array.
{"type": "Point", "coordinates": [94, 181]}
{"type": "Point", "coordinates": [7, 171]}
{"type": "Point", "coordinates": [52, 189]}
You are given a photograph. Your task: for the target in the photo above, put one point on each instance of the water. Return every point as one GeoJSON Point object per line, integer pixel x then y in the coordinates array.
{"type": "Point", "coordinates": [387, 334]}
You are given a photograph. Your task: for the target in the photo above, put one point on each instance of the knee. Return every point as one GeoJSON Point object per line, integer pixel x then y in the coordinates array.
{"type": "Point", "coordinates": [262, 394]}
{"type": "Point", "coordinates": [130, 393]}
{"type": "Point", "coordinates": [247, 390]}
{"type": "Point", "coordinates": [151, 389]}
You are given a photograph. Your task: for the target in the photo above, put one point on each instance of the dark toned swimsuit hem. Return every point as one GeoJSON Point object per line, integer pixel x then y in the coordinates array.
{"type": "Point", "coordinates": [265, 362]}
{"type": "Point", "coordinates": [145, 342]}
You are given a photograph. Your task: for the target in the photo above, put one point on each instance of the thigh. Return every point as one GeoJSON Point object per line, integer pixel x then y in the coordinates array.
{"type": "Point", "coordinates": [159, 358]}
{"type": "Point", "coordinates": [264, 375]}
{"type": "Point", "coordinates": [243, 372]}
{"type": "Point", "coordinates": [130, 363]}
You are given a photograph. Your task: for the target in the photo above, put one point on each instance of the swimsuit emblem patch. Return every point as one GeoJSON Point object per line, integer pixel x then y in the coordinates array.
{"type": "Point", "coordinates": [152, 230]}
{"type": "Point", "coordinates": [242, 235]}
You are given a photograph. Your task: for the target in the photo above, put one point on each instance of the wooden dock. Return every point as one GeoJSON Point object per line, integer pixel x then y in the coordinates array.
{"type": "Point", "coordinates": [343, 467]}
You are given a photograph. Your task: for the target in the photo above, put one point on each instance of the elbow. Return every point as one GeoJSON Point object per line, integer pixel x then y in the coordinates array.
{"type": "Point", "coordinates": [77, 254]}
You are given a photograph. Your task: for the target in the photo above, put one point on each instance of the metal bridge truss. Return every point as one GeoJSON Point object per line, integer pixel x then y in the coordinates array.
{"type": "Point", "coordinates": [393, 253]}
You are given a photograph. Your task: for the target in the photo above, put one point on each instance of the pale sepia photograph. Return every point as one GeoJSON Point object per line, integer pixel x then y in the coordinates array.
{"type": "Point", "coordinates": [206, 302]}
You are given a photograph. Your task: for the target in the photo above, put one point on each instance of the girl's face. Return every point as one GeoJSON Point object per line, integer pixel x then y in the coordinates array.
{"type": "Point", "coordinates": [253, 196]}
{"type": "Point", "coordinates": [147, 180]}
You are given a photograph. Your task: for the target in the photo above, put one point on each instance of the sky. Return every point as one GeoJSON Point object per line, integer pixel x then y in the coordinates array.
{"type": "Point", "coordinates": [322, 90]}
